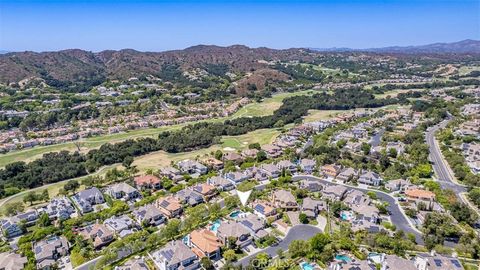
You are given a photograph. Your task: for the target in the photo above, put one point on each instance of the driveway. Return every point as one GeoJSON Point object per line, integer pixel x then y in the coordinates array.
{"type": "Point", "coordinates": [299, 232]}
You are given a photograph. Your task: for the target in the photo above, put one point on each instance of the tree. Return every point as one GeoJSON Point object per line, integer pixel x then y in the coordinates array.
{"type": "Point", "coordinates": [71, 186]}
{"type": "Point", "coordinates": [298, 248]}
{"type": "Point", "coordinates": [261, 156]}
{"type": "Point", "coordinates": [45, 196]}
{"type": "Point", "coordinates": [127, 161]}
{"type": "Point", "coordinates": [372, 195]}
{"type": "Point", "coordinates": [392, 152]}
{"type": "Point", "coordinates": [462, 213]}
{"type": "Point", "coordinates": [341, 143]}
{"type": "Point", "coordinates": [30, 197]}
{"type": "Point", "coordinates": [229, 255]}
{"type": "Point", "coordinates": [206, 263]}
{"type": "Point", "coordinates": [218, 154]}
{"type": "Point", "coordinates": [172, 229]}
{"type": "Point", "coordinates": [43, 220]}
{"type": "Point", "coordinates": [319, 241]}
{"type": "Point", "coordinates": [303, 218]}
{"type": "Point", "coordinates": [366, 148]}
{"type": "Point", "coordinates": [14, 208]}
{"type": "Point", "coordinates": [254, 146]}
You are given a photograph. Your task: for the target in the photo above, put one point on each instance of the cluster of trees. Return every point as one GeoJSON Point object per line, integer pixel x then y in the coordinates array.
{"type": "Point", "coordinates": [51, 168]}
{"type": "Point", "coordinates": [54, 167]}
{"type": "Point", "coordinates": [437, 228]}
{"type": "Point", "coordinates": [33, 197]}
{"type": "Point", "coordinates": [455, 158]}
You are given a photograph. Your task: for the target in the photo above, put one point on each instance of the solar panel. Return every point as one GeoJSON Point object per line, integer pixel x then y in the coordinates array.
{"type": "Point", "coordinates": [456, 263]}
{"type": "Point", "coordinates": [259, 208]}
{"type": "Point", "coordinates": [164, 204]}
{"type": "Point", "coordinates": [247, 223]}
{"type": "Point", "coordinates": [438, 262]}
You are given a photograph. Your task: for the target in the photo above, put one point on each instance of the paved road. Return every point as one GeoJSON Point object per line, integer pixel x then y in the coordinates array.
{"type": "Point", "coordinates": [440, 167]}
{"type": "Point", "coordinates": [396, 214]}
{"type": "Point", "coordinates": [298, 232]}
{"type": "Point", "coordinates": [377, 138]}
{"type": "Point", "coordinates": [88, 265]}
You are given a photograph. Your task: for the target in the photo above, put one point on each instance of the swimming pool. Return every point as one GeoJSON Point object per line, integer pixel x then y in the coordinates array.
{"type": "Point", "coordinates": [215, 225]}
{"type": "Point", "coordinates": [306, 266]}
{"type": "Point", "coordinates": [234, 214]}
{"type": "Point", "coordinates": [237, 214]}
{"type": "Point", "coordinates": [343, 258]}
{"type": "Point", "coordinates": [346, 215]}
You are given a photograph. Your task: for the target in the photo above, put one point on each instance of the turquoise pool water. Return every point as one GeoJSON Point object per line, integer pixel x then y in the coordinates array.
{"type": "Point", "coordinates": [215, 226]}
{"type": "Point", "coordinates": [344, 216]}
{"type": "Point", "coordinates": [344, 258]}
{"type": "Point", "coordinates": [235, 214]}
{"type": "Point", "coordinates": [306, 266]}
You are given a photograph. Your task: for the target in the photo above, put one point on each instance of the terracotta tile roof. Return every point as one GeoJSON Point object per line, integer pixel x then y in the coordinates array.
{"type": "Point", "coordinates": [146, 179]}
{"type": "Point", "coordinates": [205, 240]}
{"type": "Point", "coordinates": [420, 194]}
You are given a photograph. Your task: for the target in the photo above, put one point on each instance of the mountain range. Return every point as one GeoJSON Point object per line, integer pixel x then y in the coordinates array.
{"type": "Point", "coordinates": [79, 69]}
{"type": "Point", "coordinates": [464, 46]}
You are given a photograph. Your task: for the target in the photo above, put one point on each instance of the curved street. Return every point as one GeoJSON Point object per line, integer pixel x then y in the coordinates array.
{"type": "Point", "coordinates": [298, 232]}
{"type": "Point", "coordinates": [397, 215]}
{"type": "Point", "coordinates": [442, 170]}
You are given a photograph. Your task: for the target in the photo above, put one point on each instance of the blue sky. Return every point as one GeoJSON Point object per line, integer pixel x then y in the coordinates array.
{"type": "Point", "coordinates": [166, 25]}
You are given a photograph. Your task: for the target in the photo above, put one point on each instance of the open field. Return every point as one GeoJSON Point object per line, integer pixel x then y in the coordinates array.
{"type": "Point", "coordinates": [318, 115]}
{"type": "Point", "coordinates": [159, 159]}
{"type": "Point", "coordinates": [266, 107]}
{"type": "Point", "coordinates": [262, 136]}
{"type": "Point", "coordinates": [464, 70]}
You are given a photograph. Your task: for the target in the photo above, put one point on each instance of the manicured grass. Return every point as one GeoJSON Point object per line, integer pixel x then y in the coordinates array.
{"type": "Point", "coordinates": [160, 159]}
{"type": "Point", "coordinates": [261, 136]}
{"type": "Point", "coordinates": [266, 107]}
{"type": "Point", "coordinates": [317, 115]}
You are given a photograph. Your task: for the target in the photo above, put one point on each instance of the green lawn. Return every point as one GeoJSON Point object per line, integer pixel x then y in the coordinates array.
{"type": "Point", "coordinates": [266, 107]}
{"type": "Point", "coordinates": [464, 70]}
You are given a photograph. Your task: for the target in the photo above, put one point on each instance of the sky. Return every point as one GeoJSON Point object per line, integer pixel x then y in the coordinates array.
{"type": "Point", "coordinates": [148, 25]}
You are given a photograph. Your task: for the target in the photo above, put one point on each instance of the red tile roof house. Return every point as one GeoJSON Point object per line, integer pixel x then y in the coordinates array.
{"type": "Point", "coordinates": [147, 182]}
{"type": "Point", "coordinates": [420, 195]}
{"type": "Point", "coordinates": [204, 243]}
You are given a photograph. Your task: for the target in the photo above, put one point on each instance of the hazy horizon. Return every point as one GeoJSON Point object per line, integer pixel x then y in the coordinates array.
{"type": "Point", "coordinates": [149, 25]}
